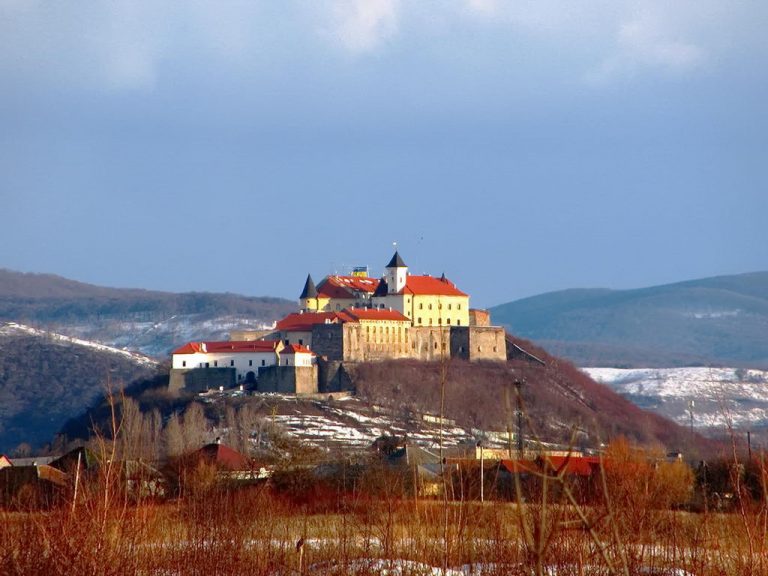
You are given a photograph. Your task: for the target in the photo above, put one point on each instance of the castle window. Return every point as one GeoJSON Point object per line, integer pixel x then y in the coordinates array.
{"type": "Point", "coordinates": [215, 363]}
{"type": "Point", "coordinates": [419, 319]}
{"type": "Point", "coordinates": [449, 306]}
{"type": "Point", "coordinates": [207, 364]}
{"type": "Point", "coordinates": [494, 349]}
{"type": "Point", "coordinates": [183, 363]}
{"type": "Point", "coordinates": [421, 305]}
{"type": "Point", "coordinates": [458, 322]}
{"type": "Point", "coordinates": [430, 306]}
{"type": "Point", "coordinates": [263, 362]}
{"type": "Point", "coordinates": [231, 362]}
{"type": "Point", "coordinates": [458, 306]}
{"type": "Point", "coordinates": [301, 341]}
{"type": "Point", "coordinates": [448, 321]}
{"type": "Point", "coordinates": [250, 362]}
{"type": "Point", "coordinates": [287, 341]}
{"type": "Point", "coordinates": [430, 321]}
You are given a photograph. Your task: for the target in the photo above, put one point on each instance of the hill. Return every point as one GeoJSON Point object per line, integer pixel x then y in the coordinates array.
{"type": "Point", "coordinates": [562, 405]}
{"type": "Point", "coordinates": [151, 322]}
{"type": "Point", "coordinates": [47, 378]}
{"type": "Point", "coordinates": [721, 320]}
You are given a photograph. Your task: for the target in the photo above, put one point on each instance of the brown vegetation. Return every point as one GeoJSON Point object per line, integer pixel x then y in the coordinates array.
{"type": "Point", "coordinates": [360, 519]}
{"type": "Point", "coordinates": [562, 403]}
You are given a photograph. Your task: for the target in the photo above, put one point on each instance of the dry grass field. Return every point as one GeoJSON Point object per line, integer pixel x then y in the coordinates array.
{"type": "Point", "coordinates": [375, 525]}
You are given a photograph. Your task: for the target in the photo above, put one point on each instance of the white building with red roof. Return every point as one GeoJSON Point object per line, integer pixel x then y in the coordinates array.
{"type": "Point", "coordinates": [296, 355]}
{"type": "Point", "coordinates": [246, 357]}
{"type": "Point", "coordinates": [208, 365]}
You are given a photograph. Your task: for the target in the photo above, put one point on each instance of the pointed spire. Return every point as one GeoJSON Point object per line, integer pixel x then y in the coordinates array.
{"type": "Point", "coordinates": [310, 290]}
{"type": "Point", "coordinates": [396, 261]}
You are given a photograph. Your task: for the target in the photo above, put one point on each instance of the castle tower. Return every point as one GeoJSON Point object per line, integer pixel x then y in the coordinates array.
{"type": "Point", "coordinates": [308, 299]}
{"type": "Point", "coordinates": [396, 273]}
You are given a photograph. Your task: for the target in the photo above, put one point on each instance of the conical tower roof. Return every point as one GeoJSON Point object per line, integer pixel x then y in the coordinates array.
{"type": "Point", "coordinates": [396, 262]}
{"type": "Point", "coordinates": [310, 290]}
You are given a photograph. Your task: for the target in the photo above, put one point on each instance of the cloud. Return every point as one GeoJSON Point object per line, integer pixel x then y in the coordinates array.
{"type": "Point", "coordinates": [125, 45]}
{"type": "Point", "coordinates": [652, 41]}
{"type": "Point", "coordinates": [488, 7]}
{"type": "Point", "coordinates": [362, 25]}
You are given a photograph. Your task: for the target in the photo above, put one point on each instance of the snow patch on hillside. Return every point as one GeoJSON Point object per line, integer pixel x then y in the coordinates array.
{"type": "Point", "coordinates": [718, 395]}
{"type": "Point", "coordinates": [14, 329]}
{"type": "Point", "coordinates": [160, 337]}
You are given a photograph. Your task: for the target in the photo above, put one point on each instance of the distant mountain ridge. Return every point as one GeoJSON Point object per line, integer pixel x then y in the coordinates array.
{"type": "Point", "coordinates": [45, 377]}
{"type": "Point", "coordinates": [151, 322]}
{"type": "Point", "coordinates": [718, 320]}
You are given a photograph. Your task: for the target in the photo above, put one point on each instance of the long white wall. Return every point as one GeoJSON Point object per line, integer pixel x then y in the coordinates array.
{"type": "Point", "coordinates": [242, 362]}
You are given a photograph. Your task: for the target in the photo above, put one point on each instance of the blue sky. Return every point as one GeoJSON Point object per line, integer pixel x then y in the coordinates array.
{"type": "Point", "coordinates": [519, 147]}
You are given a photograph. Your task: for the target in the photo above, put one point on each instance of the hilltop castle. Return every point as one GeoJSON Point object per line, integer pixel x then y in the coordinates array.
{"type": "Point", "coordinates": [344, 320]}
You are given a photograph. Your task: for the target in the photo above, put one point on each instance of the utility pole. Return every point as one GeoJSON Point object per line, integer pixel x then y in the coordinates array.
{"type": "Point", "coordinates": [482, 469]}
{"type": "Point", "coordinates": [520, 442]}
{"type": "Point", "coordinates": [508, 406]}
{"type": "Point", "coordinates": [690, 413]}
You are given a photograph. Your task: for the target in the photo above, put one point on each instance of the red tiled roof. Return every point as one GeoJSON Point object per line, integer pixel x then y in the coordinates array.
{"type": "Point", "coordinates": [576, 465]}
{"type": "Point", "coordinates": [346, 286]}
{"type": "Point", "coordinates": [296, 349]}
{"type": "Point", "coordinates": [521, 466]}
{"type": "Point", "coordinates": [429, 285]}
{"type": "Point", "coordinates": [376, 314]}
{"type": "Point", "coordinates": [573, 465]}
{"type": "Point", "coordinates": [303, 322]}
{"type": "Point", "coordinates": [235, 346]}
{"type": "Point", "coordinates": [222, 456]}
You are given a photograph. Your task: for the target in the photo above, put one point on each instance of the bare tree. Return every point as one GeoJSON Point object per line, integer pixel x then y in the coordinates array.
{"type": "Point", "coordinates": [173, 438]}
{"type": "Point", "coordinates": [195, 427]}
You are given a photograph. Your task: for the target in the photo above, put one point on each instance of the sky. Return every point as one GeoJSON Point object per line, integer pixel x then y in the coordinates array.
{"type": "Point", "coordinates": [519, 147]}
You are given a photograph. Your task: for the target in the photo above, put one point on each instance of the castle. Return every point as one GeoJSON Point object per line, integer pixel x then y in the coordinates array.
{"type": "Point", "coordinates": [341, 321]}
